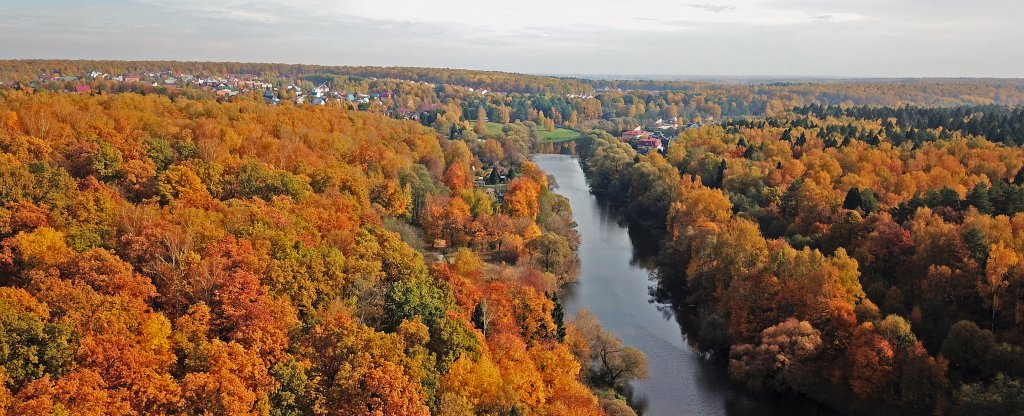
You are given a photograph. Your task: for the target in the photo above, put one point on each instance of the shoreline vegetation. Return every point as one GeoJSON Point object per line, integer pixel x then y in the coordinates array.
{"type": "Point", "coordinates": [839, 299]}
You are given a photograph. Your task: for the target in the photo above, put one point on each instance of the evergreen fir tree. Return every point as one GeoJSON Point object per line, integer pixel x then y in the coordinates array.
{"type": "Point", "coordinates": [978, 198]}
{"type": "Point", "coordinates": [791, 199]}
{"type": "Point", "coordinates": [480, 316]}
{"type": "Point", "coordinates": [558, 315]}
{"type": "Point", "coordinates": [976, 242]}
{"type": "Point", "coordinates": [494, 177]}
{"type": "Point", "coordinates": [802, 140]}
{"type": "Point", "coordinates": [1019, 177]}
{"type": "Point", "coordinates": [748, 153]}
{"type": "Point", "coordinates": [719, 175]}
{"type": "Point", "coordinates": [868, 201]}
{"type": "Point", "coordinates": [853, 199]}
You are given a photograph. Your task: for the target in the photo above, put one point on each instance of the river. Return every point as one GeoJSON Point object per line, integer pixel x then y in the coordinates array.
{"type": "Point", "coordinates": [614, 284]}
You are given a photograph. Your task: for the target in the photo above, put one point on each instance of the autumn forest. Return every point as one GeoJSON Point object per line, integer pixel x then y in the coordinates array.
{"type": "Point", "coordinates": [202, 238]}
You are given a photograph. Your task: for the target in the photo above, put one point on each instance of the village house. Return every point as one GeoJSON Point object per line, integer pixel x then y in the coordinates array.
{"type": "Point", "coordinates": [666, 125]}
{"type": "Point", "coordinates": [647, 144]}
{"type": "Point", "coordinates": [403, 112]}
{"type": "Point", "coordinates": [634, 135]}
{"type": "Point", "coordinates": [429, 107]}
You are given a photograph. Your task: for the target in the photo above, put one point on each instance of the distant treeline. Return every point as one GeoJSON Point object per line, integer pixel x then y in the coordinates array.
{"type": "Point", "coordinates": [997, 123]}
{"type": "Point", "coordinates": [873, 92]}
{"type": "Point", "coordinates": [24, 70]}
{"type": "Point", "coordinates": [759, 99]}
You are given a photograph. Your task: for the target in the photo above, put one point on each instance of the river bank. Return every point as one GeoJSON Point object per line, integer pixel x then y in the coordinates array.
{"type": "Point", "coordinates": [614, 285]}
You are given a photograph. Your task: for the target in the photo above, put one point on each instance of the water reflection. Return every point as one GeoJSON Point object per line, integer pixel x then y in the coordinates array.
{"type": "Point", "coordinates": [615, 285]}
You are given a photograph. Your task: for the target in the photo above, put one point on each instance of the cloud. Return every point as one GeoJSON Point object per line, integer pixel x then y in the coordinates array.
{"type": "Point", "coordinates": [235, 10]}
{"type": "Point", "coordinates": [838, 17]}
{"type": "Point", "coordinates": [708, 7]}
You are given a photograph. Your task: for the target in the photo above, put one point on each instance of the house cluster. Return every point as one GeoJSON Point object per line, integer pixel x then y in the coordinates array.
{"type": "Point", "coordinates": [316, 96]}
{"type": "Point", "coordinates": [644, 141]}
{"type": "Point", "coordinates": [322, 94]}
{"type": "Point", "coordinates": [672, 124]}
{"type": "Point", "coordinates": [226, 86]}
{"type": "Point", "coordinates": [407, 113]}
{"type": "Point", "coordinates": [669, 124]}
{"type": "Point", "coordinates": [582, 96]}
{"type": "Point", "coordinates": [710, 121]}
{"type": "Point", "coordinates": [223, 86]}
{"type": "Point", "coordinates": [229, 86]}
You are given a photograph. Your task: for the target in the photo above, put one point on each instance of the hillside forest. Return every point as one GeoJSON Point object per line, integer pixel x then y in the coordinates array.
{"type": "Point", "coordinates": [178, 256]}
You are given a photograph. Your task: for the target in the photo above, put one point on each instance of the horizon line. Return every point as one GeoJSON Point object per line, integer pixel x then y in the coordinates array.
{"type": "Point", "coordinates": [594, 76]}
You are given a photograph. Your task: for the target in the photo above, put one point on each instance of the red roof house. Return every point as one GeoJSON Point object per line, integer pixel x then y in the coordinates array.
{"type": "Point", "coordinates": [635, 134]}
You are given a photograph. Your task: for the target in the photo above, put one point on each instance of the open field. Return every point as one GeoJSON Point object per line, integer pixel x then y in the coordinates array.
{"type": "Point", "coordinates": [559, 135]}
{"type": "Point", "coordinates": [494, 128]}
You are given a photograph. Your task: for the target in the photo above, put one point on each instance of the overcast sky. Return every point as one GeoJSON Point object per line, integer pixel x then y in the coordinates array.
{"type": "Point", "coordinates": [890, 38]}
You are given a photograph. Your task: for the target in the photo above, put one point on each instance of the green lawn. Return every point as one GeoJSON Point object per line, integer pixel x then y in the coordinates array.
{"type": "Point", "coordinates": [494, 128]}
{"type": "Point", "coordinates": [559, 135]}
